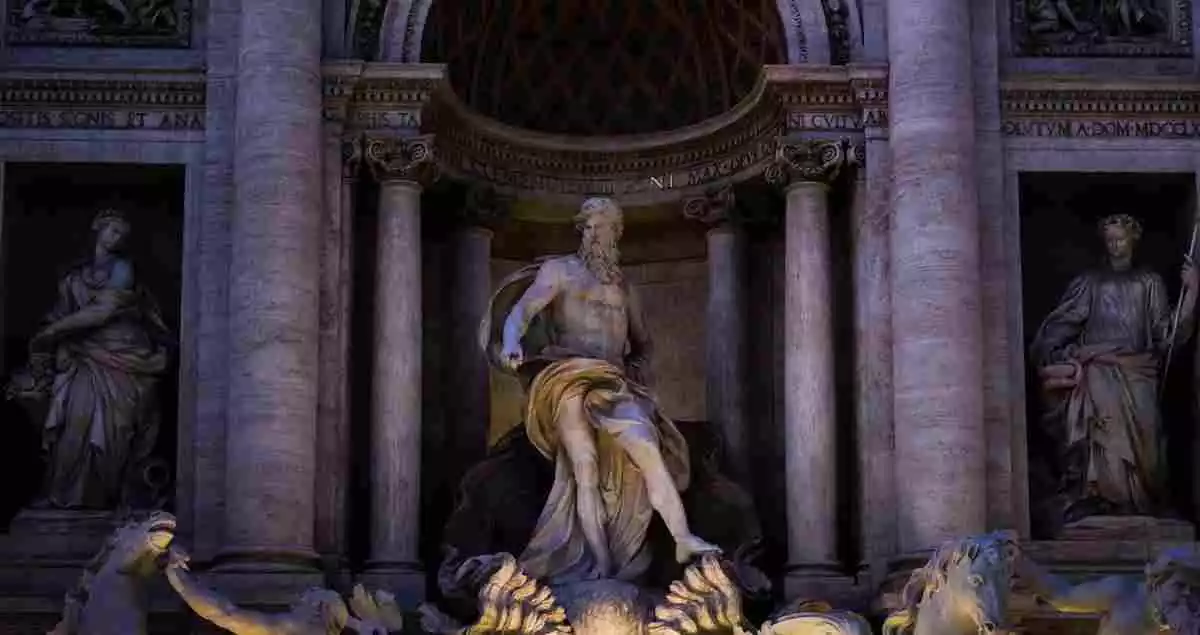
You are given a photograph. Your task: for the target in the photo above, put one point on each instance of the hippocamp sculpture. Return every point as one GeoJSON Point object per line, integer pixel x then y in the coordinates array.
{"type": "Point", "coordinates": [109, 598]}
{"type": "Point", "coordinates": [962, 590]}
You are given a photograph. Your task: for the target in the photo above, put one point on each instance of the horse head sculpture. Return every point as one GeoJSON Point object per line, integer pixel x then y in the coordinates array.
{"type": "Point", "coordinates": [963, 589]}
{"type": "Point", "coordinates": [108, 597]}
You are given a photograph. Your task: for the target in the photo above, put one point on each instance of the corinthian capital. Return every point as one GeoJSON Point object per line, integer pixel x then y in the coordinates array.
{"type": "Point", "coordinates": [714, 207]}
{"type": "Point", "coordinates": [401, 159]}
{"type": "Point", "coordinates": [813, 161]}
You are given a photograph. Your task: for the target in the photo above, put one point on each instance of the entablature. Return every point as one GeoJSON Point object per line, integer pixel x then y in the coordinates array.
{"type": "Point", "coordinates": [1080, 108]}
{"type": "Point", "coordinates": [788, 101]}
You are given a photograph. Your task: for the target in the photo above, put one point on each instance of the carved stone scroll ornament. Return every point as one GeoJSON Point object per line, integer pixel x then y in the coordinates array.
{"type": "Point", "coordinates": [815, 161]}
{"type": "Point", "coordinates": [716, 207]}
{"type": "Point", "coordinates": [401, 159]}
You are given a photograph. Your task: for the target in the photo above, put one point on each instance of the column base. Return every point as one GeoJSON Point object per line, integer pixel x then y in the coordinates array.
{"type": "Point", "coordinates": [822, 583]}
{"type": "Point", "coordinates": [406, 581]}
{"type": "Point", "coordinates": [258, 577]}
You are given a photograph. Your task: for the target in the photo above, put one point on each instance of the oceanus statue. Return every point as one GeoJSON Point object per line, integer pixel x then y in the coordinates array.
{"type": "Point", "coordinates": [962, 590]}
{"type": "Point", "coordinates": [109, 598]}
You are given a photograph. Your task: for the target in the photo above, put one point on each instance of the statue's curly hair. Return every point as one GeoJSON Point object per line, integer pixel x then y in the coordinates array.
{"type": "Point", "coordinates": [1124, 221]}
{"type": "Point", "coordinates": [600, 206]}
{"type": "Point", "coordinates": [109, 215]}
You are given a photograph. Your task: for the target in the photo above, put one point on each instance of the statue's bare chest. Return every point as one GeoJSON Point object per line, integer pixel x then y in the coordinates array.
{"type": "Point", "coordinates": [584, 293]}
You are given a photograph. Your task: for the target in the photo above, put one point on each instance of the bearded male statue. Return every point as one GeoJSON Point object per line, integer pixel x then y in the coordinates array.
{"type": "Point", "coordinates": [1165, 600]}
{"type": "Point", "coordinates": [571, 328]}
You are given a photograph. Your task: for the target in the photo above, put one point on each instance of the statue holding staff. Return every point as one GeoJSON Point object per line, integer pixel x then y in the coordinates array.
{"type": "Point", "coordinates": [1100, 354]}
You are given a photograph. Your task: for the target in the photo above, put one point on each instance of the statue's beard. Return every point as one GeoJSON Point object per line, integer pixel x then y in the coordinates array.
{"type": "Point", "coordinates": [1182, 616]}
{"type": "Point", "coordinates": [602, 258]}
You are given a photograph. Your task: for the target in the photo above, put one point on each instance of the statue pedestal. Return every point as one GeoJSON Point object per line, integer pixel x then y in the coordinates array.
{"type": "Point", "coordinates": [45, 550]}
{"type": "Point", "coordinates": [837, 590]}
{"type": "Point", "coordinates": [1096, 528]}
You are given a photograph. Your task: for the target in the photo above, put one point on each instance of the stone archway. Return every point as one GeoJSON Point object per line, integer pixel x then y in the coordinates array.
{"type": "Point", "coordinates": [813, 31]}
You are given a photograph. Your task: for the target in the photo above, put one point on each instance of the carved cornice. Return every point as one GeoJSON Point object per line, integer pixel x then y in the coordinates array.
{"type": "Point", "coordinates": [68, 100]}
{"type": "Point", "coordinates": [811, 161]}
{"type": "Point", "coordinates": [714, 208]}
{"type": "Point", "coordinates": [660, 167]}
{"type": "Point", "coordinates": [376, 97]}
{"type": "Point", "coordinates": [638, 168]}
{"type": "Point", "coordinates": [1065, 108]}
{"type": "Point", "coordinates": [401, 159]}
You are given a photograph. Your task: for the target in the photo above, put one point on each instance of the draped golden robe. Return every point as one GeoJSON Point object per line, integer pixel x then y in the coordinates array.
{"type": "Point", "coordinates": [558, 552]}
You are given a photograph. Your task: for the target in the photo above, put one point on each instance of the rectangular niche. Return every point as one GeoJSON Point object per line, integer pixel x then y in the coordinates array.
{"type": "Point", "coordinates": [49, 234]}
{"type": "Point", "coordinates": [1094, 28]}
{"type": "Point", "coordinates": [1059, 215]}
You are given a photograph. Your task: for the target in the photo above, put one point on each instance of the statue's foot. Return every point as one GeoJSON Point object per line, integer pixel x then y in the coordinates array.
{"type": "Point", "coordinates": [690, 546]}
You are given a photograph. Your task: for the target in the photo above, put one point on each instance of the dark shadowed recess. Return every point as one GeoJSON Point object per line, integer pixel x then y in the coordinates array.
{"type": "Point", "coordinates": [1059, 213]}
{"type": "Point", "coordinates": [48, 211]}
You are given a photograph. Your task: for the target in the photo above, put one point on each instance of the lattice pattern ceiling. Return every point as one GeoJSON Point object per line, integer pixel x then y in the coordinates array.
{"type": "Point", "coordinates": [602, 67]}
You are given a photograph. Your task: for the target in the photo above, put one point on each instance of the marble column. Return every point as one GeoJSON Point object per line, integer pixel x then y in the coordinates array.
{"type": "Point", "coordinates": [725, 330]}
{"type": "Point", "coordinates": [343, 158]}
{"type": "Point", "coordinates": [470, 407]}
{"type": "Point", "coordinates": [871, 247]}
{"type": "Point", "coordinates": [403, 167]}
{"type": "Point", "coordinates": [936, 296]}
{"type": "Point", "coordinates": [274, 287]}
{"type": "Point", "coordinates": [805, 170]}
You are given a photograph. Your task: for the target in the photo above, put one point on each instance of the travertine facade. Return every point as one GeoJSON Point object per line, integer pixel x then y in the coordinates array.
{"type": "Point", "coordinates": [841, 215]}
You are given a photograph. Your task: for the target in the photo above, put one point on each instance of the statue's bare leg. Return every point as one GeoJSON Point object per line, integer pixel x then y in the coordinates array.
{"type": "Point", "coordinates": [576, 435]}
{"type": "Point", "coordinates": [643, 451]}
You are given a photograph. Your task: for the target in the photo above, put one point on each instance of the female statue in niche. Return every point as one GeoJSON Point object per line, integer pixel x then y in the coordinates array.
{"type": "Point", "coordinates": [1100, 356]}
{"type": "Point", "coordinates": [98, 361]}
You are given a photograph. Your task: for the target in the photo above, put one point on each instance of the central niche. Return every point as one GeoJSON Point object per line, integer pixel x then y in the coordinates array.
{"type": "Point", "coordinates": [598, 67]}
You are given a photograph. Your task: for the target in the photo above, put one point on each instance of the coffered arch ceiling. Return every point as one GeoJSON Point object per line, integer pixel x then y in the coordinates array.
{"type": "Point", "coordinates": [604, 67]}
